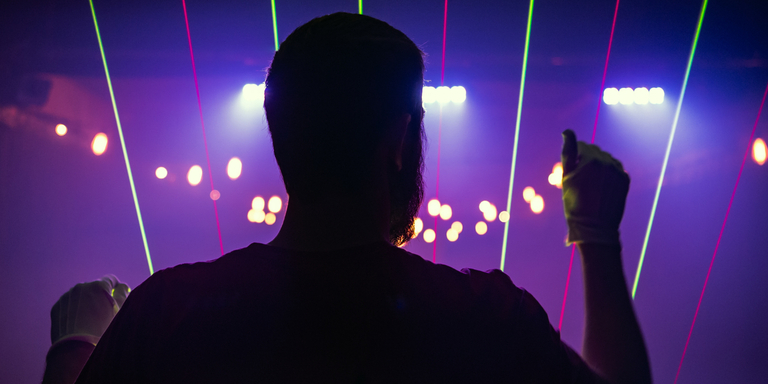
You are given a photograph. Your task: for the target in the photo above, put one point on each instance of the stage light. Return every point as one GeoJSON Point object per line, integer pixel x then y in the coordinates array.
{"type": "Point", "coordinates": [270, 218]}
{"type": "Point", "coordinates": [503, 216]}
{"type": "Point", "coordinates": [641, 95]}
{"type": "Point", "coordinates": [528, 194]}
{"type": "Point", "coordinates": [257, 203]}
{"type": "Point", "coordinates": [99, 144]}
{"type": "Point", "coordinates": [446, 212]}
{"type": "Point", "coordinates": [161, 173]}
{"type": "Point", "coordinates": [656, 95]}
{"type": "Point", "coordinates": [537, 204]}
{"type": "Point", "coordinates": [481, 228]}
{"type": "Point", "coordinates": [443, 94]}
{"type": "Point", "coordinates": [254, 92]}
{"type": "Point", "coordinates": [429, 235]}
{"type": "Point", "coordinates": [61, 129]}
{"type": "Point", "coordinates": [556, 177]}
{"type": "Point", "coordinates": [215, 195]}
{"type": "Point", "coordinates": [611, 96]}
{"type": "Point", "coordinates": [457, 226]}
{"type": "Point", "coordinates": [452, 235]}
{"type": "Point", "coordinates": [418, 225]}
{"type": "Point", "coordinates": [458, 94]}
{"type": "Point", "coordinates": [490, 213]}
{"type": "Point", "coordinates": [626, 96]}
{"type": "Point", "coordinates": [484, 205]}
{"type": "Point", "coordinates": [275, 204]}
{"type": "Point", "coordinates": [428, 95]}
{"type": "Point", "coordinates": [234, 168]}
{"type": "Point", "coordinates": [759, 151]}
{"type": "Point", "coordinates": [256, 216]}
{"type": "Point", "coordinates": [195, 175]}
{"type": "Point", "coordinates": [433, 207]}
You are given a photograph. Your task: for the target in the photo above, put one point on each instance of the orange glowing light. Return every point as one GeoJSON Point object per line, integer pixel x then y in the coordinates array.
{"type": "Point", "coordinates": [275, 204]}
{"type": "Point", "coordinates": [490, 213]}
{"type": "Point", "coordinates": [446, 212]}
{"type": "Point", "coordinates": [457, 226]}
{"type": "Point", "coordinates": [503, 216]}
{"type": "Point", "coordinates": [528, 194]}
{"type": "Point", "coordinates": [234, 168]}
{"type": "Point", "coordinates": [537, 204]}
{"type": "Point", "coordinates": [759, 151]}
{"type": "Point", "coordinates": [215, 195]}
{"type": "Point", "coordinates": [481, 228]}
{"type": "Point", "coordinates": [195, 175]}
{"type": "Point", "coordinates": [270, 218]}
{"type": "Point", "coordinates": [257, 203]}
{"type": "Point", "coordinates": [433, 207]}
{"type": "Point", "coordinates": [429, 235]}
{"type": "Point", "coordinates": [61, 129]}
{"type": "Point", "coordinates": [99, 144]}
{"type": "Point", "coordinates": [452, 235]}
{"type": "Point", "coordinates": [161, 173]}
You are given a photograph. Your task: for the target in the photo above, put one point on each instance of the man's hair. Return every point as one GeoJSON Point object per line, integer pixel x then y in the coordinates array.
{"type": "Point", "coordinates": [334, 90]}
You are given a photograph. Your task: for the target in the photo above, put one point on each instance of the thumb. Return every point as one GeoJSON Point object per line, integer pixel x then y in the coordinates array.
{"type": "Point", "coordinates": [120, 293]}
{"type": "Point", "coordinates": [570, 153]}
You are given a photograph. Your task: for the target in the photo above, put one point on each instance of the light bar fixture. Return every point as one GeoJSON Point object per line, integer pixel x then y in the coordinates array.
{"type": "Point", "coordinates": [627, 96]}
{"type": "Point", "coordinates": [442, 95]}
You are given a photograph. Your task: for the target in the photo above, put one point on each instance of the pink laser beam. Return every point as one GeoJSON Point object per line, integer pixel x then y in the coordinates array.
{"type": "Point", "coordinates": [440, 129]}
{"type": "Point", "coordinates": [202, 123]}
{"type": "Point", "coordinates": [720, 236]}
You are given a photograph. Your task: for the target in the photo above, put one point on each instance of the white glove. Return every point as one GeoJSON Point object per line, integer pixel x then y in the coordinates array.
{"type": "Point", "coordinates": [595, 190]}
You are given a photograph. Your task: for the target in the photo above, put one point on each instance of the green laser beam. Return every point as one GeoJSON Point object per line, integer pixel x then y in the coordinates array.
{"type": "Point", "coordinates": [669, 149]}
{"type": "Point", "coordinates": [360, 6]}
{"type": "Point", "coordinates": [122, 141]}
{"type": "Point", "coordinates": [517, 134]}
{"type": "Point", "coordinates": [274, 25]}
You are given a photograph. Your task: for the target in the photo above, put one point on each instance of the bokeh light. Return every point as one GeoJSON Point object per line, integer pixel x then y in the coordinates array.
{"type": "Point", "coordinates": [490, 213]}
{"type": "Point", "coordinates": [418, 225]}
{"type": "Point", "coordinates": [257, 203]}
{"type": "Point", "coordinates": [457, 226]}
{"type": "Point", "coordinates": [270, 218]}
{"type": "Point", "coordinates": [458, 94]}
{"type": "Point", "coordinates": [626, 96]}
{"type": "Point", "coordinates": [256, 216]}
{"type": "Point", "coordinates": [611, 96]}
{"type": "Point", "coordinates": [481, 228]}
{"type": "Point", "coordinates": [429, 235]}
{"type": "Point", "coordinates": [254, 92]}
{"type": "Point", "coordinates": [452, 235]}
{"type": "Point", "coordinates": [61, 129]}
{"type": "Point", "coordinates": [443, 94]}
{"type": "Point", "coordinates": [759, 151]}
{"type": "Point", "coordinates": [537, 204]}
{"type": "Point", "coordinates": [99, 144]}
{"type": "Point", "coordinates": [641, 95]}
{"type": "Point", "coordinates": [433, 207]}
{"type": "Point", "coordinates": [503, 216]}
{"type": "Point", "coordinates": [528, 194]}
{"type": "Point", "coordinates": [656, 95]}
{"type": "Point", "coordinates": [275, 204]}
{"type": "Point", "coordinates": [446, 212]}
{"type": "Point", "coordinates": [215, 195]}
{"type": "Point", "coordinates": [428, 95]}
{"type": "Point", "coordinates": [195, 175]}
{"type": "Point", "coordinates": [234, 168]}
{"type": "Point", "coordinates": [161, 173]}
{"type": "Point", "coordinates": [484, 205]}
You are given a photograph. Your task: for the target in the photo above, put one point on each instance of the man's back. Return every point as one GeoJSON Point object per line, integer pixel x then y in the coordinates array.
{"type": "Point", "coordinates": [373, 313]}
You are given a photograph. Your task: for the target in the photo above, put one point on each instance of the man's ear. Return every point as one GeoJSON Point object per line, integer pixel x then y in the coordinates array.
{"type": "Point", "coordinates": [399, 129]}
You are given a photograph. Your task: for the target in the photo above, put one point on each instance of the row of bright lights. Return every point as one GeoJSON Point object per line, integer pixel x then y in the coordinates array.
{"type": "Point", "coordinates": [442, 94]}
{"type": "Point", "coordinates": [626, 96]}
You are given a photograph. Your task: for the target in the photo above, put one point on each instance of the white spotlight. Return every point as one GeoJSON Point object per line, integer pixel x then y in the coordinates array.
{"type": "Point", "coordinates": [428, 95]}
{"type": "Point", "coordinates": [254, 92]}
{"type": "Point", "coordinates": [641, 95]}
{"type": "Point", "coordinates": [443, 94]}
{"type": "Point", "coordinates": [626, 96]}
{"type": "Point", "coordinates": [458, 94]}
{"type": "Point", "coordinates": [611, 96]}
{"type": "Point", "coordinates": [656, 95]}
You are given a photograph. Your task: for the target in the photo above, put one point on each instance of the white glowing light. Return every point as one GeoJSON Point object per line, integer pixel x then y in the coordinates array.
{"type": "Point", "coordinates": [61, 129]}
{"type": "Point", "coordinates": [256, 216]}
{"type": "Point", "coordinates": [452, 235]}
{"type": "Point", "coordinates": [433, 207]}
{"type": "Point", "coordinates": [458, 94]}
{"type": "Point", "coordinates": [254, 92]}
{"type": "Point", "coordinates": [641, 95]}
{"type": "Point", "coordinates": [490, 213]}
{"type": "Point", "coordinates": [161, 173]}
{"type": "Point", "coordinates": [656, 95]}
{"type": "Point", "coordinates": [611, 96]}
{"type": "Point", "coordinates": [503, 216]}
{"type": "Point", "coordinates": [457, 226]}
{"type": "Point", "coordinates": [257, 203]}
{"type": "Point", "coordinates": [429, 235]}
{"type": "Point", "coordinates": [446, 212]}
{"type": "Point", "coordinates": [195, 175]}
{"type": "Point", "coordinates": [99, 144]}
{"type": "Point", "coordinates": [537, 204]}
{"type": "Point", "coordinates": [428, 95]}
{"type": "Point", "coordinates": [443, 94]}
{"type": "Point", "coordinates": [270, 218]}
{"type": "Point", "coordinates": [234, 168]}
{"type": "Point", "coordinates": [481, 228]}
{"type": "Point", "coordinates": [484, 205]}
{"type": "Point", "coordinates": [626, 96]}
{"type": "Point", "coordinates": [759, 151]}
{"type": "Point", "coordinates": [528, 194]}
{"type": "Point", "coordinates": [418, 225]}
{"type": "Point", "coordinates": [275, 204]}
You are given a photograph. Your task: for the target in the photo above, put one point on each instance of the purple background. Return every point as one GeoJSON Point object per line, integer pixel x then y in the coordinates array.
{"type": "Point", "coordinates": [67, 216]}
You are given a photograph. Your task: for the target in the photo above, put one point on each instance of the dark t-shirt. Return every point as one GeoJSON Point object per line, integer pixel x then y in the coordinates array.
{"type": "Point", "coordinates": [368, 314]}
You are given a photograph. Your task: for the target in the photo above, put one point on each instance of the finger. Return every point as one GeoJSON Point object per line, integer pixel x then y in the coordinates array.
{"type": "Point", "coordinates": [109, 282]}
{"type": "Point", "coordinates": [570, 153]}
{"type": "Point", "coordinates": [120, 293]}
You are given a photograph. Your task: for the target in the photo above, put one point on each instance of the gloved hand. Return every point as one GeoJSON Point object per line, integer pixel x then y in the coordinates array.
{"type": "Point", "coordinates": [595, 190]}
{"type": "Point", "coordinates": [85, 311]}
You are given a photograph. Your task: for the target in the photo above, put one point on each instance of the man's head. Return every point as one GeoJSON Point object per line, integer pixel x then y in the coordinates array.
{"type": "Point", "coordinates": [337, 91]}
